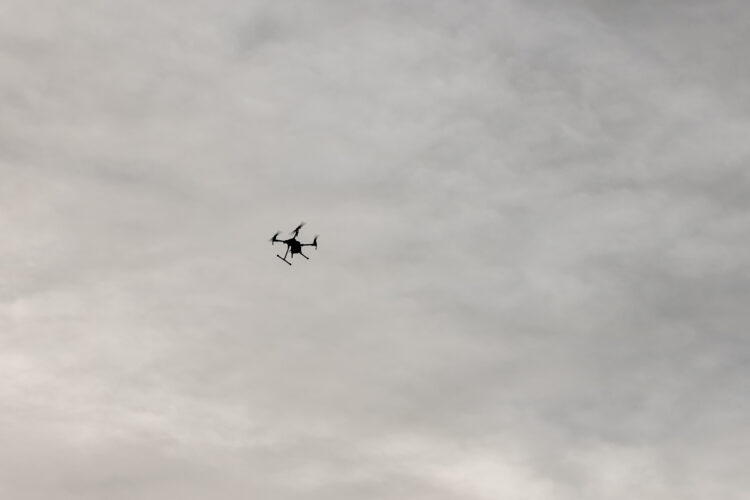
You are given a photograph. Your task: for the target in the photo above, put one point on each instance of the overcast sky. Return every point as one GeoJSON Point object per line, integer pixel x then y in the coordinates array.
{"type": "Point", "coordinates": [532, 277]}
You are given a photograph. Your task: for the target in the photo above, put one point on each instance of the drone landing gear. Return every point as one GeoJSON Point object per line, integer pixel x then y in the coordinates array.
{"type": "Point", "coordinates": [282, 258]}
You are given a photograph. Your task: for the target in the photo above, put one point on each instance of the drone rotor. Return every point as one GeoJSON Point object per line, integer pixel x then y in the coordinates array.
{"type": "Point", "coordinates": [296, 229]}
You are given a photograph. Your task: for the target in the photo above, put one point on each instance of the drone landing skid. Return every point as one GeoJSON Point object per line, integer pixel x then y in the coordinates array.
{"type": "Point", "coordinates": [282, 258]}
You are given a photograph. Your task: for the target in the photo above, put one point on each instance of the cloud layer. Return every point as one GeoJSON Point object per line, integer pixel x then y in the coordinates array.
{"type": "Point", "coordinates": [532, 273]}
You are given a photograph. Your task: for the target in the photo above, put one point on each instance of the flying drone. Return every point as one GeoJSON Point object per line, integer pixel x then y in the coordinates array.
{"type": "Point", "coordinates": [292, 245]}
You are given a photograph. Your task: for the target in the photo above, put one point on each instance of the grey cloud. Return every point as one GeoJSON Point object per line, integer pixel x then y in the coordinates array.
{"type": "Point", "coordinates": [531, 279]}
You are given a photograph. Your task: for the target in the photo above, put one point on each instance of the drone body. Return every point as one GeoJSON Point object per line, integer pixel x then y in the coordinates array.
{"type": "Point", "coordinates": [293, 245]}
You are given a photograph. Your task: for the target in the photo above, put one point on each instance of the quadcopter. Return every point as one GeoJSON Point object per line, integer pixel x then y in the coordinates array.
{"type": "Point", "coordinates": [293, 245]}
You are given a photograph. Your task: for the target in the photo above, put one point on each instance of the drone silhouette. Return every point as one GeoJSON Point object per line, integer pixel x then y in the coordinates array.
{"type": "Point", "coordinates": [293, 245]}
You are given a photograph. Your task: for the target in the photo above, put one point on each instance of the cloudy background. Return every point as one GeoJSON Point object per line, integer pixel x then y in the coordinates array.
{"type": "Point", "coordinates": [532, 278]}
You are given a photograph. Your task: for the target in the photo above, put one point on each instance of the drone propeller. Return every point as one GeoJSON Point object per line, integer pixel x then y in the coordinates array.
{"type": "Point", "coordinates": [273, 238]}
{"type": "Point", "coordinates": [315, 242]}
{"type": "Point", "coordinates": [296, 229]}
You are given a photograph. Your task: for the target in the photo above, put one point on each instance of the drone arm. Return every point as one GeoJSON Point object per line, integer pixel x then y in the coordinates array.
{"type": "Point", "coordinates": [313, 244]}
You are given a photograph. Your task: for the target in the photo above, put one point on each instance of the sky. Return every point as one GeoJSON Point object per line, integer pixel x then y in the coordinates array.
{"type": "Point", "coordinates": [532, 274]}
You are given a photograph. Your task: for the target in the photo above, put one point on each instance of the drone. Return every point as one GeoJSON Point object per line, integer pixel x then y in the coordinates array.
{"type": "Point", "coordinates": [293, 245]}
